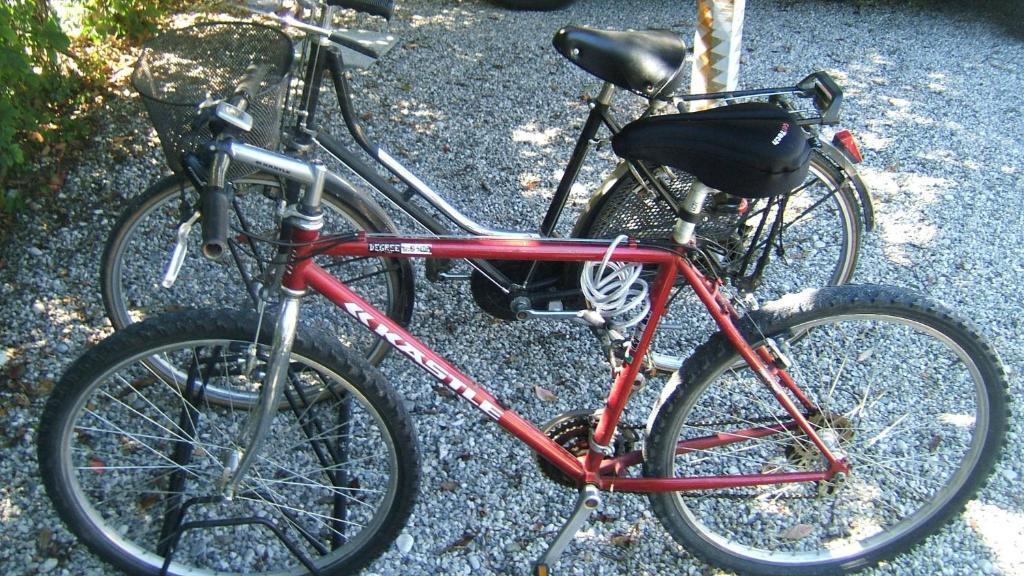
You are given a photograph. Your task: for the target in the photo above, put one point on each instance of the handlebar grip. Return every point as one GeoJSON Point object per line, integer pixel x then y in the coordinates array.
{"type": "Point", "coordinates": [383, 8]}
{"type": "Point", "coordinates": [216, 202]}
{"type": "Point", "coordinates": [249, 87]}
{"type": "Point", "coordinates": [352, 44]}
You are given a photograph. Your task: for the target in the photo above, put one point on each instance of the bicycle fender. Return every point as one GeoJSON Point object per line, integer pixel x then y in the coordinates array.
{"type": "Point", "coordinates": [341, 188]}
{"type": "Point", "coordinates": [586, 217]}
{"type": "Point", "coordinates": [849, 171]}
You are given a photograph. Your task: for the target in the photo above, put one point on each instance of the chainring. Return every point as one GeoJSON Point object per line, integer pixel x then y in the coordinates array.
{"type": "Point", "coordinates": [571, 430]}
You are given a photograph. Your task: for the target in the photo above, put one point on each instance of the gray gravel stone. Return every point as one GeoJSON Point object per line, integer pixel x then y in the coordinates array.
{"type": "Point", "coordinates": [477, 102]}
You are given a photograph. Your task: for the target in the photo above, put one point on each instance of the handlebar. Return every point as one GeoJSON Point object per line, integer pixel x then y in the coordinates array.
{"type": "Point", "coordinates": [216, 202]}
{"type": "Point", "coordinates": [248, 88]}
{"type": "Point", "coordinates": [216, 199]}
{"type": "Point", "coordinates": [828, 96]}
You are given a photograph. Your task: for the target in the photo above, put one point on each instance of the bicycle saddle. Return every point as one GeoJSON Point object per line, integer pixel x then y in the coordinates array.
{"type": "Point", "coordinates": [751, 150]}
{"type": "Point", "coordinates": [649, 63]}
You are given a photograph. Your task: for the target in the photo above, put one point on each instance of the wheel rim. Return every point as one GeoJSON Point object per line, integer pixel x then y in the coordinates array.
{"type": "Point", "coordinates": [114, 461]}
{"type": "Point", "coordinates": [866, 506]}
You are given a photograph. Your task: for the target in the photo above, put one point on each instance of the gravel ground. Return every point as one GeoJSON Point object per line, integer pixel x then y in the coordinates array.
{"type": "Point", "coordinates": [477, 101]}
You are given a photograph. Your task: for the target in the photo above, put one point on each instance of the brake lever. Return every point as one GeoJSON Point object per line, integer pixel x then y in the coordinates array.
{"type": "Point", "coordinates": [180, 250]}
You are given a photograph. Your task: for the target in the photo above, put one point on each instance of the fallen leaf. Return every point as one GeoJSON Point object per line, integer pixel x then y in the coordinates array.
{"type": "Point", "coordinates": [623, 540]}
{"type": "Point", "coordinates": [15, 372]}
{"type": "Point", "coordinates": [798, 531]}
{"type": "Point", "coordinates": [98, 466]}
{"type": "Point", "coordinates": [545, 394]}
{"type": "Point", "coordinates": [44, 539]}
{"type": "Point", "coordinates": [148, 500]}
{"type": "Point", "coordinates": [44, 387]}
{"type": "Point", "coordinates": [460, 543]}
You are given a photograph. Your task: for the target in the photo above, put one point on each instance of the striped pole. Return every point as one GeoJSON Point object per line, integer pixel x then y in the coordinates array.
{"type": "Point", "coordinates": [716, 47]}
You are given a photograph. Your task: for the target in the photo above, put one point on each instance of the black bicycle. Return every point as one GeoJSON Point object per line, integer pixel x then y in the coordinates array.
{"type": "Point", "coordinates": [811, 235]}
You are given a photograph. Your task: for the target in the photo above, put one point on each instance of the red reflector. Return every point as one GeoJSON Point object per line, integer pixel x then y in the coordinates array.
{"type": "Point", "coordinates": [845, 141]}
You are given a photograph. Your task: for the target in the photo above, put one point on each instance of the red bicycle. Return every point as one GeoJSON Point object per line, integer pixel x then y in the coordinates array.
{"type": "Point", "coordinates": [819, 434]}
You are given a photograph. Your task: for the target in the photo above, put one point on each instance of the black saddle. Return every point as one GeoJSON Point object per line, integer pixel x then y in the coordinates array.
{"type": "Point", "coordinates": [751, 150]}
{"type": "Point", "coordinates": [649, 63]}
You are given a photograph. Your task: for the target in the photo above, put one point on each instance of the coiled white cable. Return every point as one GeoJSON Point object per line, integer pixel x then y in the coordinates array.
{"type": "Point", "coordinates": [615, 289]}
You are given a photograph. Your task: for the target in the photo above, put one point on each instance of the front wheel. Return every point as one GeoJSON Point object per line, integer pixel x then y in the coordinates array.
{"type": "Point", "coordinates": [139, 247]}
{"type": "Point", "coordinates": [910, 394]}
{"type": "Point", "coordinates": [134, 462]}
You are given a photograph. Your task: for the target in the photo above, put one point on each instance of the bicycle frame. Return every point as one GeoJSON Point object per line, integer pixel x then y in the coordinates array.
{"type": "Point", "coordinates": [302, 273]}
{"type": "Point", "coordinates": [599, 469]}
{"type": "Point", "coordinates": [599, 466]}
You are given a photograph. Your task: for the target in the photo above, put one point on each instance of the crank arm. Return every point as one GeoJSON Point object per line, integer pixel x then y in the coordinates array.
{"type": "Point", "coordinates": [584, 317]}
{"type": "Point", "coordinates": [180, 249]}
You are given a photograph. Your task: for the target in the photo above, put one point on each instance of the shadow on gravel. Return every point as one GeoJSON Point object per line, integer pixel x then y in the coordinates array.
{"type": "Point", "coordinates": [1007, 14]}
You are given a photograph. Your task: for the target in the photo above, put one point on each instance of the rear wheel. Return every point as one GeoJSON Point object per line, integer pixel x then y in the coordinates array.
{"type": "Point", "coordinates": [912, 396]}
{"type": "Point", "coordinates": [821, 231]}
{"type": "Point", "coordinates": [134, 462]}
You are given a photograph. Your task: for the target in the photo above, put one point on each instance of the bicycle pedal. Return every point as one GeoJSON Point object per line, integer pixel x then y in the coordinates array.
{"type": "Point", "coordinates": [436, 268]}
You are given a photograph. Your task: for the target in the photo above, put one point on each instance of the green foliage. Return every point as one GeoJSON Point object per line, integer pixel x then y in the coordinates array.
{"type": "Point", "coordinates": [31, 43]}
{"type": "Point", "coordinates": [11, 201]}
{"type": "Point", "coordinates": [45, 76]}
{"type": "Point", "coordinates": [127, 19]}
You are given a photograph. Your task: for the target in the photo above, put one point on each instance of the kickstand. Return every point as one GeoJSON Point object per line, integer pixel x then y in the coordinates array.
{"type": "Point", "coordinates": [588, 501]}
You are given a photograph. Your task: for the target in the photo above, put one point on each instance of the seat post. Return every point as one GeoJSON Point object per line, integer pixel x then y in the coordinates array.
{"type": "Point", "coordinates": [689, 212]}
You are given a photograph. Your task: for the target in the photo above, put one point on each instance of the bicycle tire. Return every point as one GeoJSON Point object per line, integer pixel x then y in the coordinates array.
{"type": "Point", "coordinates": [126, 457]}
{"type": "Point", "coordinates": [146, 232]}
{"type": "Point", "coordinates": [823, 245]}
{"type": "Point", "coordinates": [919, 406]}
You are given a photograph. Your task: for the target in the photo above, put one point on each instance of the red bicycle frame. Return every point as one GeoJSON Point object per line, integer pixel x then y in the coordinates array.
{"type": "Point", "coordinates": [595, 468]}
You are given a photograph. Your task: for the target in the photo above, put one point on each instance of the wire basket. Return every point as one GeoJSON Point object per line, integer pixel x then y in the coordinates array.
{"type": "Point", "coordinates": [182, 69]}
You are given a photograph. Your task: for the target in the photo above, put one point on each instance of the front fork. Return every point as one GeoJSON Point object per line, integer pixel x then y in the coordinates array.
{"type": "Point", "coordinates": [302, 226]}
{"type": "Point", "coordinates": [258, 424]}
